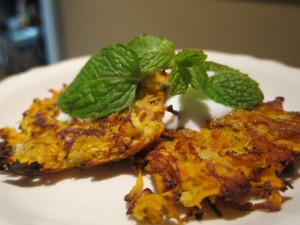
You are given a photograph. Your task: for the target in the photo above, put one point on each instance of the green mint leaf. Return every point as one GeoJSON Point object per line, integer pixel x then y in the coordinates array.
{"type": "Point", "coordinates": [187, 69]}
{"type": "Point", "coordinates": [214, 67]}
{"type": "Point", "coordinates": [232, 88]}
{"type": "Point", "coordinates": [190, 58]}
{"type": "Point", "coordinates": [180, 79]}
{"type": "Point", "coordinates": [106, 84]}
{"type": "Point", "coordinates": [156, 53]}
{"type": "Point", "coordinates": [199, 77]}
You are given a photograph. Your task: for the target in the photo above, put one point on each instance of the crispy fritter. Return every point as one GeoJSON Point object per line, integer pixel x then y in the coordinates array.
{"type": "Point", "coordinates": [236, 159]}
{"type": "Point", "coordinates": [46, 144]}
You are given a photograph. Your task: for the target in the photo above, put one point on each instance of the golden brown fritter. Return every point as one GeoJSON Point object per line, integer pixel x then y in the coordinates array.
{"type": "Point", "coordinates": [237, 158]}
{"type": "Point", "coordinates": [46, 144]}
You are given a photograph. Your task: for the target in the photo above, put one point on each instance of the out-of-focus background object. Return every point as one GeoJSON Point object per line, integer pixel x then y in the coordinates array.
{"type": "Point", "coordinates": [21, 40]}
{"type": "Point", "coordinates": [38, 32]}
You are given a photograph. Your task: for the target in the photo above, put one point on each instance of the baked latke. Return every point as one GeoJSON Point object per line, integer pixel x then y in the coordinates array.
{"type": "Point", "coordinates": [237, 162]}
{"type": "Point", "coordinates": [45, 143]}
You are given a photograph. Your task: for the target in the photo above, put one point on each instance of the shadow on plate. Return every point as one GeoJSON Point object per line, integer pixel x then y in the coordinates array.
{"type": "Point", "coordinates": [97, 173]}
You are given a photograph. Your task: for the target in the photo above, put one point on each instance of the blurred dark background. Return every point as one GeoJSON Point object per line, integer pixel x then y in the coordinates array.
{"type": "Point", "coordinates": [21, 40]}
{"type": "Point", "coordinates": [40, 32]}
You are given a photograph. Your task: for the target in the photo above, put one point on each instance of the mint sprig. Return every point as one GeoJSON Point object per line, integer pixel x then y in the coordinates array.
{"type": "Point", "coordinates": [108, 82]}
{"type": "Point", "coordinates": [226, 85]}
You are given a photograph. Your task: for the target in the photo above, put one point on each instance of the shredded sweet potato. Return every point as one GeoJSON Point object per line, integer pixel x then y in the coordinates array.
{"type": "Point", "coordinates": [46, 144]}
{"type": "Point", "coordinates": [236, 159]}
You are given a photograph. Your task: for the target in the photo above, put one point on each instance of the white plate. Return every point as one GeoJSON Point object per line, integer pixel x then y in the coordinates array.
{"type": "Point", "coordinates": [95, 196]}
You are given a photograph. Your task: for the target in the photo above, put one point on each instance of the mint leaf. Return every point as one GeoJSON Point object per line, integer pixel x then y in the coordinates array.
{"type": "Point", "coordinates": [106, 84]}
{"type": "Point", "coordinates": [190, 58]}
{"type": "Point", "coordinates": [187, 69]}
{"type": "Point", "coordinates": [156, 53]}
{"type": "Point", "coordinates": [232, 88]}
{"type": "Point", "coordinates": [180, 79]}
{"type": "Point", "coordinates": [199, 77]}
